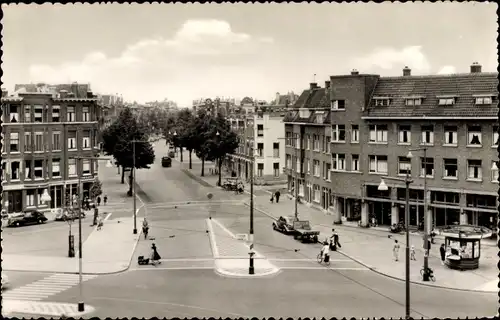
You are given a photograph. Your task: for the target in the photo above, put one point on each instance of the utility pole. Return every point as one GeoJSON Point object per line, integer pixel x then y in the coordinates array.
{"type": "Point", "coordinates": [133, 186]}
{"type": "Point", "coordinates": [251, 268]}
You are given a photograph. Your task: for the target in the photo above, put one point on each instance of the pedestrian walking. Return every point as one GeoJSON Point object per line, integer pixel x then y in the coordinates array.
{"type": "Point", "coordinates": [442, 251]}
{"type": "Point", "coordinates": [272, 198]}
{"type": "Point", "coordinates": [100, 222]}
{"type": "Point", "coordinates": [395, 250]}
{"type": "Point", "coordinates": [98, 201]}
{"type": "Point", "coordinates": [334, 239]}
{"type": "Point", "coordinates": [277, 194]}
{"type": "Point", "coordinates": [145, 228]}
{"type": "Point", "coordinates": [412, 253]}
{"type": "Point", "coordinates": [105, 199]}
{"type": "Point", "coordinates": [155, 257]}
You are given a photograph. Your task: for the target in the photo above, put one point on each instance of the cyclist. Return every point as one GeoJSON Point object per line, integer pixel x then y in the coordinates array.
{"type": "Point", "coordinates": [325, 251]}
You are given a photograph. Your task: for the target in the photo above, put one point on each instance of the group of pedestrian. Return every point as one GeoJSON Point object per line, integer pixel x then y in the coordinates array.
{"type": "Point", "coordinates": [86, 202]}
{"type": "Point", "coordinates": [276, 195]}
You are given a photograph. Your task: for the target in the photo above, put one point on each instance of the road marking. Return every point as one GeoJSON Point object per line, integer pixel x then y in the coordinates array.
{"type": "Point", "coordinates": [45, 287]}
{"type": "Point", "coordinates": [314, 260]}
{"type": "Point", "coordinates": [211, 235]}
{"type": "Point", "coordinates": [10, 306]}
{"type": "Point", "coordinates": [187, 260]}
{"type": "Point", "coordinates": [324, 268]}
{"type": "Point", "coordinates": [171, 268]}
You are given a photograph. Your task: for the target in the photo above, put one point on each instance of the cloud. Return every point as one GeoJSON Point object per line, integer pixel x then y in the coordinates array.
{"type": "Point", "coordinates": [145, 67]}
{"type": "Point", "coordinates": [390, 59]}
{"type": "Point", "coordinates": [447, 70]}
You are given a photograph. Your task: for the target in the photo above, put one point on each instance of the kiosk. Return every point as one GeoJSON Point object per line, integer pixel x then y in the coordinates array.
{"type": "Point", "coordinates": [463, 245]}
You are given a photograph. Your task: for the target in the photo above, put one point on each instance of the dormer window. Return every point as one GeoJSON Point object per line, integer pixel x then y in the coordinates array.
{"type": "Point", "coordinates": [338, 105]}
{"type": "Point", "coordinates": [382, 102]}
{"type": "Point", "coordinates": [483, 100]}
{"type": "Point", "coordinates": [446, 101]}
{"type": "Point", "coordinates": [319, 117]}
{"type": "Point", "coordinates": [413, 102]}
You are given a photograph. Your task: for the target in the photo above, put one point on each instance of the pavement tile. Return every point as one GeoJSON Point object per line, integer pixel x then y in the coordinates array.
{"type": "Point", "coordinates": [44, 308]}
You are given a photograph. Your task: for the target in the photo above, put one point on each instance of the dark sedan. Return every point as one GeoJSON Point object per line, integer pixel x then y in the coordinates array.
{"type": "Point", "coordinates": [26, 218]}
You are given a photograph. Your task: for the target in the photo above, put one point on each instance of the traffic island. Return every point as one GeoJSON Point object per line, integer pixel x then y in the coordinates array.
{"type": "Point", "coordinates": [232, 256]}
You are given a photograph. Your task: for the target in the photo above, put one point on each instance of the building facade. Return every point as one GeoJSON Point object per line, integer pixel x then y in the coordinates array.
{"type": "Point", "coordinates": [42, 133]}
{"type": "Point", "coordinates": [308, 136]}
{"type": "Point", "coordinates": [262, 133]}
{"type": "Point", "coordinates": [375, 121]}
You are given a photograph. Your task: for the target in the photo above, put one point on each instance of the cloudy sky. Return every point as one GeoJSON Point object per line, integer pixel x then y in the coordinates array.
{"type": "Point", "coordinates": [184, 52]}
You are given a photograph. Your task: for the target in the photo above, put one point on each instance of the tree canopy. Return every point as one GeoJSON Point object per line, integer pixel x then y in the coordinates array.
{"type": "Point", "coordinates": [118, 141]}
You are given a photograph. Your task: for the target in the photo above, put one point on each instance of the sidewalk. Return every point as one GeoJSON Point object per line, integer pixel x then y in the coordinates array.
{"type": "Point", "coordinates": [105, 252]}
{"type": "Point", "coordinates": [373, 249]}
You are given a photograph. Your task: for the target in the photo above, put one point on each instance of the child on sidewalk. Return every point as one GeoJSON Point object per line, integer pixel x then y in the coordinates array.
{"type": "Point", "coordinates": [395, 250]}
{"type": "Point", "coordinates": [412, 253]}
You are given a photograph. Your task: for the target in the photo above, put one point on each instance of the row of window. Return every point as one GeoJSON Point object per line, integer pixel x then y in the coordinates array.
{"type": "Point", "coordinates": [34, 142]}
{"type": "Point", "coordinates": [318, 170]}
{"type": "Point", "coordinates": [378, 165]}
{"type": "Point", "coordinates": [313, 192]}
{"type": "Point", "coordinates": [442, 101]}
{"type": "Point", "coordinates": [276, 169]}
{"type": "Point", "coordinates": [35, 114]}
{"type": "Point", "coordinates": [379, 134]}
{"type": "Point", "coordinates": [39, 169]}
{"type": "Point", "coordinates": [315, 142]}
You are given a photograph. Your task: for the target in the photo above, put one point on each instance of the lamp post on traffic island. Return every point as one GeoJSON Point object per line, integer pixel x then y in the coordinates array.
{"type": "Point", "coordinates": [383, 187]}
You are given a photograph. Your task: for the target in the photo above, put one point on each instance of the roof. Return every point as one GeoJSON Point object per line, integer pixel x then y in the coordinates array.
{"type": "Point", "coordinates": [293, 116]}
{"type": "Point", "coordinates": [80, 90]}
{"type": "Point", "coordinates": [316, 100]}
{"type": "Point", "coordinates": [462, 86]}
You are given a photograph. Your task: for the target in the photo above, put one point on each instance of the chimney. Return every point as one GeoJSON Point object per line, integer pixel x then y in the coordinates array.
{"type": "Point", "coordinates": [63, 94]}
{"type": "Point", "coordinates": [354, 72]}
{"type": "Point", "coordinates": [406, 71]}
{"type": "Point", "coordinates": [5, 93]}
{"type": "Point", "coordinates": [277, 98]}
{"type": "Point", "coordinates": [89, 94]}
{"type": "Point", "coordinates": [327, 84]}
{"type": "Point", "coordinates": [475, 68]}
{"type": "Point", "coordinates": [313, 85]}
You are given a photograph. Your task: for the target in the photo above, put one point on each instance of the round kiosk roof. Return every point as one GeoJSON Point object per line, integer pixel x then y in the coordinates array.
{"type": "Point", "coordinates": [466, 232]}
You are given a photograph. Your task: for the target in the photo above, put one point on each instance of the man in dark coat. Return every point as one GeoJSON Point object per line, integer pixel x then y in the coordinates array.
{"type": "Point", "coordinates": [277, 194]}
{"type": "Point", "coordinates": [442, 251]}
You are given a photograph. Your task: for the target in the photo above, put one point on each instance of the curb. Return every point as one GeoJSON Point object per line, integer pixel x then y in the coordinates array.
{"type": "Point", "coordinates": [227, 274]}
{"type": "Point", "coordinates": [197, 179]}
{"type": "Point", "coordinates": [379, 272]}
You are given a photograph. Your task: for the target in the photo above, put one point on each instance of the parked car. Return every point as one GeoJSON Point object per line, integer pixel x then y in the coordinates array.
{"type": "Point", "coordinates": [64, 214]}
{"type": "Point", "coordinates": [166, 162]}
{"type": "Point", "coordinates": [171, 154]}
{"type": "Point", "coordinates": [26, 218]}
{"type": "Point", "coordinates": [284, 224]}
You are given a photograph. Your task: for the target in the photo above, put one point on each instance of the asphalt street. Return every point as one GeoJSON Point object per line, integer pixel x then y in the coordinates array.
{"type": "Point", "coordinates": [185, 284]}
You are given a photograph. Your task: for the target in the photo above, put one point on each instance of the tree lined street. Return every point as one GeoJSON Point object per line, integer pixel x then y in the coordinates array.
{"type": "Point", "coordinates": [204, 268]}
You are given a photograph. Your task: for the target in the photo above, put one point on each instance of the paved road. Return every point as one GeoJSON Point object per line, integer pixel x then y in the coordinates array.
{"type": "Point", "coordinates": [185, 284]}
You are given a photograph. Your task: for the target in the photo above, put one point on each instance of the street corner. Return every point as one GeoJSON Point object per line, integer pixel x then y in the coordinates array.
{"type": "Point", "coordinates": [55, 309]}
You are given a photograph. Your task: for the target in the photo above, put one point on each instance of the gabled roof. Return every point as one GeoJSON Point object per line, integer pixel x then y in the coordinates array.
{"type": "Point", "coordinates": [315, 98]}
{"type": "Point", "coordinates": [461, 86]}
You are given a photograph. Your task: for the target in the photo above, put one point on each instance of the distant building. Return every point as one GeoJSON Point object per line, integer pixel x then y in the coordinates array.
{"type": "Point", "coordinates": [261, 132]}
{"type": "Point", "coordinates": [44, 127]}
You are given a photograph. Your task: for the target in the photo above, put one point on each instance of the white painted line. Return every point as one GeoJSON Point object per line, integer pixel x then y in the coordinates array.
{"type": "Point", "coordinates": [257, 254]}
{"type": "Point", "coordinates": [38, 290]}
{"type": "Point", "coordinates": [171, 268]}
{"type": "Point", "coordinates": [108, 216]}
{"type": "Point", "coordinates": [323, 268]}
{"type": "Point", "coordinates": [71, 276]}
{"type": "Point", "coordinates": [23, 297]}
{"type": "Point", "coordinates": [52, 285]}
{"type": "Point", "coordinates": [187, 260]}
{"type": "Point", "coordinates": [313, 260]}
{"type": "Point", "coordinates": [211, 235]}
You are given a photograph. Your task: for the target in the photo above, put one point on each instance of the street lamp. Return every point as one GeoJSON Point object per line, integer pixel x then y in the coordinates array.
{"type": "Point", "coordinates": [425, 276]}
{"type": "Point", "coordinates": [383, 187]}
{"type": "Point", "coordinates": [81, 304]}
{"type": "Point", "coordinates": [251, 269]}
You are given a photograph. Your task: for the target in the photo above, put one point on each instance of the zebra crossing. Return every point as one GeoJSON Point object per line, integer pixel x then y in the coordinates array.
{"type": "Point", "coordinates": [45, 287]}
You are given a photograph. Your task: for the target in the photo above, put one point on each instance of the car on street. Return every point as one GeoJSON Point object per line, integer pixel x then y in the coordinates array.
{"type": "Point", "coordinates": [64, 214]}
{"type": "Point", "coordinates": [304, 232]}
{"type": "Point", "coordinates": [166, 162]}
{"type": "Point", "coordinates": [26, 218]}
{"type": "Point", "coordinates": [284, 224]}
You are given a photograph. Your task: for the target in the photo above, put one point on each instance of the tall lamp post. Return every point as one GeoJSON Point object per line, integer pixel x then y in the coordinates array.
{"type": "Point", "coordinates": [425, 276]}
{"type": "Point", "coordinates": [251, 269]}
{"type": "Point", "coordinates": [81, 304]}
{"type": "Point", "coordinates": [383, 187]}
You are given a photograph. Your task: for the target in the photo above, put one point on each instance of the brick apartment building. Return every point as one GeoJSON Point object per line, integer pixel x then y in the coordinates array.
{"type": "Point", "coordinates": [376, 120]}
{"type": "Point", "coordinates": [261, 129]}
{"type": "Point", "coordinates": [308, 136]}
{"type": "Point", "coordinates": [43, 130]}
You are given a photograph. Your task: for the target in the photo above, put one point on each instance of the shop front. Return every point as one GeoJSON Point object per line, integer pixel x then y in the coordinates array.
{"type": "Point", "coordinates": [13, 201]}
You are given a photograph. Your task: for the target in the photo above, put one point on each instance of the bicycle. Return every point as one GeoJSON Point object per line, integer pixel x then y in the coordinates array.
{"type": "Point", "coordinates": [320, 259]}
{"type": "Point", "coordinates": [431, 274]}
